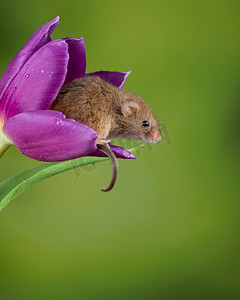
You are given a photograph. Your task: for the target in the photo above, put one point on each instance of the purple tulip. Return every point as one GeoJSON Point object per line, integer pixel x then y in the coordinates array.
{"type": "Point", "coordinates": [31, 83]}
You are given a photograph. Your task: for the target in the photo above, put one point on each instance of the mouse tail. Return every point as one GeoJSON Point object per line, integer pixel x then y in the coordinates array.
{"type": "Point", "coordinates": [104, 147]}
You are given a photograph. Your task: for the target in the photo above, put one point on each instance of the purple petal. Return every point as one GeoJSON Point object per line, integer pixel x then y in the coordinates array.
{"type": "Point", "coordinates": [38, 39]}
{"type": "Point", "coordinates": [37, 84]}
{"type": "Point", "coordinates": [118, 151]}
{"type": "Point", "coordinates": [115, 78]}
{"type": "Point", "coordinates": [77, 59]}
{"type": "Point", "coordinates": [121, 152]}
{"type": "Point", "coordinates": [49, 136]}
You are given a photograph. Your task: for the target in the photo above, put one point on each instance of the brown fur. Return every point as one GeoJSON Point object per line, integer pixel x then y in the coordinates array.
{"type": "Point", "coordinates": [100, 105]}
{"type": "Point", "coordinates": [108, 110]}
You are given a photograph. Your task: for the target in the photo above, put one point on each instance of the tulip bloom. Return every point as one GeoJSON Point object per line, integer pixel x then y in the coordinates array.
{"type": "Point", "coordinates": [28, 87]}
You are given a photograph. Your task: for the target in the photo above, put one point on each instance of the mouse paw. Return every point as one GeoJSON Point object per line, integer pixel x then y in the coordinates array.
{"type": "Point", "coordinates": [104, 142]}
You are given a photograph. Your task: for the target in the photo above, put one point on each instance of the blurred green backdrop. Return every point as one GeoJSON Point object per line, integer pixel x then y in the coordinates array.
{"type": "Point", "coordinates": [170, 228]}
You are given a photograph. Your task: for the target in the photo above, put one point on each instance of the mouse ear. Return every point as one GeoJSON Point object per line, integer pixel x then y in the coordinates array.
{"type": "Point", "coordinates": [129, 107]}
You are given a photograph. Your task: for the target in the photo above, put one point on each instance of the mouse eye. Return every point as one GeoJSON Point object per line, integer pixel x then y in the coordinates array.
{"type": "Point", "coordinates": [145, 123]}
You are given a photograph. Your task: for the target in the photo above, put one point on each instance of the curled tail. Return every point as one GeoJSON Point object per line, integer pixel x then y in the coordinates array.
{"type": "Point", "coordinates": [104, 147]}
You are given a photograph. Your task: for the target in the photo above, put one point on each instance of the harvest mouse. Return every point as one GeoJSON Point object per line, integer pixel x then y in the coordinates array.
{"type": "Point", "coordinates": [110, 111]}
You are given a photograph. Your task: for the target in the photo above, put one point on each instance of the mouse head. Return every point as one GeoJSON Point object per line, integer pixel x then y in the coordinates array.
{"type": "Point", "coordinates": [141, 124]}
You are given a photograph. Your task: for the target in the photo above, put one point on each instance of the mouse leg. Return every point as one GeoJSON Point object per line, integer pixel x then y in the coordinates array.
{"type": "Point", "coordinates": [103, 146]}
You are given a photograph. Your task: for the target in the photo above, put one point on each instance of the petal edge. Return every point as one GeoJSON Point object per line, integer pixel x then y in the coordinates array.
{"type": "Point", "coordinates": [37, 84]}
{"type": "Point", "coordinates": [77, 59]}
{"type": "Point", "coordinates": [39, 38]}
{"type": "Point", "coordinates": [115, 78]}
{"type": "Point", "coordinates": [47, 135]}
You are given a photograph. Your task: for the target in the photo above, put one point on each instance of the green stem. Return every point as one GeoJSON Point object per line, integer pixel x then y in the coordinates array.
{"type": "Point", "coordinates": [14, 186]}
{"type": "Point", "coordinates": [4, 143]}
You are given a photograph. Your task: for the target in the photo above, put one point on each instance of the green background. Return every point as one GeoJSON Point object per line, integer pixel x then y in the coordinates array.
{"type": "Point", "coordinates": [170, 227]}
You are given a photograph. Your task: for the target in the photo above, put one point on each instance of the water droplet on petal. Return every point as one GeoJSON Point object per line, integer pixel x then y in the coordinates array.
{"type": "Point", "coordinates": [42, 71]}
{"type": "Point", "coordinates": [15, 88]}
{"type": "Point", "coordinates": [57, 122]}
{"type": "Point", "coordinates": [27, 76]}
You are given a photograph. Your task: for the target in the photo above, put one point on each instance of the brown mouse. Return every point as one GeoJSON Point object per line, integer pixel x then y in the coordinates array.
{"type": "Point", "coordinates": [110, 111]}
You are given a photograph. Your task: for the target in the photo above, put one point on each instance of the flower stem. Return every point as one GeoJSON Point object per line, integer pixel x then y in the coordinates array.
{"type": "Point", "coordinates": [4, 143]}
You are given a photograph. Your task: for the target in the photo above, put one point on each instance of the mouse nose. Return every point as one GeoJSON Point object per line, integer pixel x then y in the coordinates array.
{"type": "Point", "coordinates": [157, 136]}
{"type": "Point", "coordinates": [154, 136]}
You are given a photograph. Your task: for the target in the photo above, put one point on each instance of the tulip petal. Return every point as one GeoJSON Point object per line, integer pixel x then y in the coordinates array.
{"type": "Point", "coordinates": [121, 152]}
{"type": "Point", "coordinates": [115, 78]}
{"type": "Point", "coordinates": [49, 136]}
{"type": "Point", "coordinates": [77, 59]}
{"type": "Point", "coordinates": [38, 39]}
{"type": "Point", "coordinates": [37, 84]}
{"type": "Point", "coordinates": [118, 151]}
